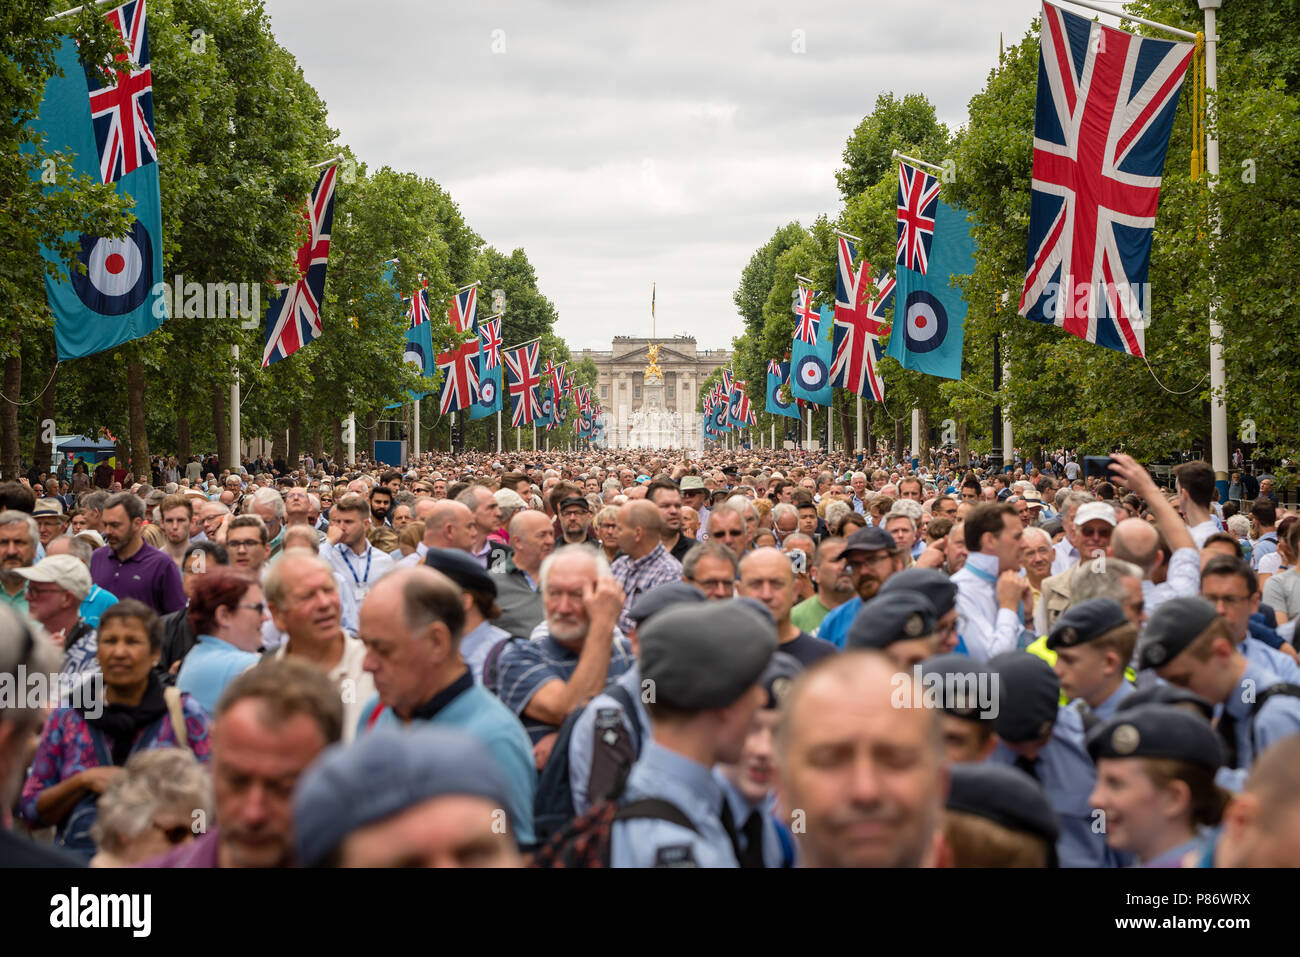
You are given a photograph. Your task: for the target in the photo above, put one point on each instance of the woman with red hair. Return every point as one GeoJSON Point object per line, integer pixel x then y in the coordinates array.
{"type": "Point", "coordinates": [226, 612]}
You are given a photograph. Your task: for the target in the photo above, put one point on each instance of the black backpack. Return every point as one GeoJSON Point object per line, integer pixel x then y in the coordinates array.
{"type": "Point", "coordinates": [492, 664]}
{"type": "Point", "coordinates": [553, 803]}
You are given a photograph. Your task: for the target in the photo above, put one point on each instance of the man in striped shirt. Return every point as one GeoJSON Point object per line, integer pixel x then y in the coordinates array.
{"type": "Point", "coordinates": [645, 562]}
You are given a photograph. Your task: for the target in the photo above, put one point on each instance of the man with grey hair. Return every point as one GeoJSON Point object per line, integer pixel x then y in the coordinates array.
{"type": "Point", "coordinates": [785, 521]}
{"type": "Point", "coordinates": [268, 505]}
{"type": "Point", "coordinates": [411, 625]}
{"type": "Point", "coordinates": [18, 537]}
{"type": "Point", "coordinates": [1115, 579]}
{"type": "Point", "coordinates": [571, 655]}
{"type": "Point", "coordinates": [487, 519]}
{"type": "Point", "coordinates": [1067, 550]}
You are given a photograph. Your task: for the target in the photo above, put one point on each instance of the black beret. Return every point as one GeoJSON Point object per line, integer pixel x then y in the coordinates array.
{"type": "Point", "coordinates": [1005, 796]}
{"type": "Point", "coordinates": [964, 675]}
{"type": "Point", "coordinates": [887, 618]}
{"type": "Point", "coordinates": [1172, 627]}
{"type": "Point", "coordinates": [931, 582]}
{"type": "Point", "coordinates": [661, 597]}
{"type": "Point", "coordinates": [871, 538]}
{"type": "Point", "coordinates": [1086, 621]}
{"type": "Point", "coordinates": [577, 500]}
{"type": "Point", "coordinates": [1166, 694]}
{"type": "Point", "coordinates": [461, 568]}
{"type": "Point", "coordinates": [705, 656]}
{"type": "Point", "coordinates": [778, 676]}
{"type": "Point", "coordinates": [1028, 696]}
{"type": "Point", "coordinates": [1157, 731]}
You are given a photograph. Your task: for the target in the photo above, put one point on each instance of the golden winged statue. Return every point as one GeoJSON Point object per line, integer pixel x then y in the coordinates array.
{"type": "Point", "coordinates": [652, 371]}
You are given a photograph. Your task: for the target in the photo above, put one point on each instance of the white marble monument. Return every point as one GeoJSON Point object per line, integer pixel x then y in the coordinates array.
{"type": "Point", "coordinates": [653, 426]}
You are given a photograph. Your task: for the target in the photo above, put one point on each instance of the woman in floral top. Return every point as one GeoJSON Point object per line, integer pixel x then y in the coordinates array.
{"type": "Point", "coordinates": [83, 748]}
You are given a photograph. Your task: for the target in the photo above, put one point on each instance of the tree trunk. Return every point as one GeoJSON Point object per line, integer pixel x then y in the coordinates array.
{"type": "Point", "coordinates": [869, 426]}
{"type": "Point", "coordinates": [45, 425]}
{"type": "Point", "coordinates": [183, 439]}
{"type": "Point", "coordinates": [848, 421]}
{"type": "Point", "coordinates": [316, 443]}
{"type": "Point", "coordinates": [13, 386]}
{"type": "Point", "coordinates": [135, 405]}
{"type": "Point", "coordinates": [279, 446]}
{"type": "Point", "coordinates": [900, 439]}
{"type": "Point", "coordinates": [220, 423]}
{"type": "Point", "coordinates": [963, 444]}
{"type": "Point", "coordinates": [295, 439]}
{"type": "Point", "coordinates": [923, 436]}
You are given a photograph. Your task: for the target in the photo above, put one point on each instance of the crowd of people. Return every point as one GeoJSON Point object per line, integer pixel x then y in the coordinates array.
{"type": "Point", "coordinates": [749, 658]}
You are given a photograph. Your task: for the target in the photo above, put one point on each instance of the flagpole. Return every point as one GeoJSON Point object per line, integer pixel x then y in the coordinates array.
{"type": "Point", "coordinates": [68, 13]}
{"type": "Point", "coordinates": [332, 159]}
{"type": "Point", "coordinates": [830, 420]}
{"type": "Point", "coordinates": [416, 428]}
{"type": "Point", "coordinates": [1142, 20]}
{"type": "Point", "coordinates": [498, 431]}
{"type": "Point", "coordinates": [1218, 372]}
{"type": "Point", "coordinates": [859, 433]}
{"type": "Point", "coordinates": [234, 410]}
{"type": "Point", "coordinates": [919, 162]}
{"type": "Point", "coordinates": [352, 437]}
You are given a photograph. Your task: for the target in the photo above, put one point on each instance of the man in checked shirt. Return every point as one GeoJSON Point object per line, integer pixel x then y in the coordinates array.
{"type": "Point", "coordinates": [645, 562]}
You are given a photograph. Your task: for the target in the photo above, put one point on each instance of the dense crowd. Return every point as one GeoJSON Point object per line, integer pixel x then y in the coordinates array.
{"type": "Point", "coordinates": [629, 658]}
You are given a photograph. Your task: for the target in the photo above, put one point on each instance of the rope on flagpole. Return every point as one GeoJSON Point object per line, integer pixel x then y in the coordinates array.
{"type": "Point", "coordinates": [38, 395]}
{"type": "Point", "coordinates": [1165, 387]}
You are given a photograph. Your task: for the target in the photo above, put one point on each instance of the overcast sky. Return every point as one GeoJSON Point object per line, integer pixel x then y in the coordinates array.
{"type": "Point", "coordinates": [622, 143]}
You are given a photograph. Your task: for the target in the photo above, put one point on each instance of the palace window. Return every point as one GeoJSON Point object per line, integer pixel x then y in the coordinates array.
{"type": "Point", "coordinates": [636, 392]}
{"type": "Point", "coordinates": [604, 392]}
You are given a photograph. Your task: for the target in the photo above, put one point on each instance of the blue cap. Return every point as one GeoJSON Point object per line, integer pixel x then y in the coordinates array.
{"type": "Point", "coordinates": [1086, 621]}
{"type": "Point", "coordinates": [383, 773]}
{"type": "Point", "coordinates": [1157, 731]}
{"type": "Point", "coordinates": [1028, 696]}
{"type": "Point", "coordinates": [661, 597]}
{"type": "Point", "coordinates": [1005, 796]}
{"type": "Point", "coordinates": [887, 618]}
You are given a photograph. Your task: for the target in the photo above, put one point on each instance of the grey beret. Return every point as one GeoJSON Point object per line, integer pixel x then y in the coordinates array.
{"type": "Point", "coordinates": [778, 676]}
{"type": "Point", "coordinates": [461, 568]}
{"type": "Point", "coordinates": [1028, 696]}
{"type": "Point", "coordinates": [705, 656]}
{"type": "Point", "coordinates": [661, 597]}
{"type": "Point", "coordinates": [1166, 694]}
{"type": "Point", "coordinates": [1086, 621]}
{"type": "Point", "coordinates": [971, 673]}
{"type": "Point", "coordinates": [1157, 731]}
{"type": "Point", "coordinates": [887, 618]}
{"type": "Point", "coordinates": [931, 582]}
{"type": "Point", "coordinates": [383, 773]}
{"type": "Point", "coordinates": [1172, 627]}
{"type": "Point", "coordinates": [1006, 797]}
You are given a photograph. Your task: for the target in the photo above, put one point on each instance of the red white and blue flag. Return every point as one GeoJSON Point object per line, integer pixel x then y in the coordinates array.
{"type": "Point", "coordinates": [462, 310]}
{"type": "Point", "coordinates": [858, 324]}
{"type": "Point", "coordinates": [918, 202]}
{"type": "Point", "coordinates": [805, 329]}
{"type": "Point", "coordinates": [524, 383]}
{"type": "Point", "coordinates": [419, 311]}
{"type": "Point", "coordinates": [557, 381]}
{"type": "Point", "coordinates": [489, 334]}
{"type": "Point", "coordinates": [1106, 104]}
{"type": "Point", "coordinates": [459, 365]}
{"type": "Point", "coordinates": [294, 319]}
{"type": "Point", "coordinates": [121, 105]}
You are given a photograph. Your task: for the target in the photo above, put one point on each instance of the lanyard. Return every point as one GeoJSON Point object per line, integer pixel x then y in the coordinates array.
{"type": "Point", "coordinates": [370, 552]}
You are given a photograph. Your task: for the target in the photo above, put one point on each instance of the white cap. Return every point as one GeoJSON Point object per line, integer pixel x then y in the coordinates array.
{"type": "Point", "coordinates": [66, 571]}
{"type": "Point", "coordinates": [1094, 511]}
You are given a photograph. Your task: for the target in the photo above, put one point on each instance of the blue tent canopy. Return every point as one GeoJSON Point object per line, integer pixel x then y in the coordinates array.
{"type": "Point", "coordinates": [84, 444]}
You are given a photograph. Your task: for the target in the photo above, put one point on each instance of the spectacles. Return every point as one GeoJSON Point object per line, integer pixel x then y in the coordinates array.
{"type": "Point", "coordinates": [243, 544]}
{"type": "Point", "coordinates": [258, 607]}
{"type": "Point", "coordinates": [1229, 601]}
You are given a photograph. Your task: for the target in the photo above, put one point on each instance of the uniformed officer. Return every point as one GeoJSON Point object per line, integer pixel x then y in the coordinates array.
{"type": "Point", "coordinates": [1094, 642]}
{"type": "Point", "coordinates": [1190, 645]}
{"type": "Point", "coordinates": [969, 705]}
{"type": "Point", "coordinates": [941, 591]}
{"type": "Point", "coordinates": [1170, 695]}
{"type": "Point", "coordinates": [1155, 782]}
{"type": "Point", "coordinates": [703, 663]}
{"type": "Point", "coordinates": [1045, 740]}
{"type": "Point", "coordinates": [997, 816]}
{"type": "Point", "coordinates": [749, 785]}
{"type": "Point", "coordinates": [605, 743]}
{"type": "Point", "coordinates": [900, 623]}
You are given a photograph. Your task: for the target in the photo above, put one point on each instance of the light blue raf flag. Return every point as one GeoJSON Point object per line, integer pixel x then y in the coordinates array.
{"type": "Point", "coordinates": [121, 296]}
{"type": "Point", "coordinates": [779, 401]}
{"type": "Point", "coordinates": [810, 362]}
{"type": "Point", "coordinates": [929, 311]}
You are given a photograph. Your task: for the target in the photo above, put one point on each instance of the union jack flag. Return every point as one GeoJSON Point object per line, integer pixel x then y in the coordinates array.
{"type": "Point", "coordinates": [918, 201]}
{"type": "Point", "coordinates": [806, 328]}
{"type": "Point", "coordinates": [122, 110]}
{"type": "Point", "coordinates": [726, 384]}
{"type": "Point", "coordinates": [419, 311]}
{"type": "Point", "coordinates": [524, 383]}
{"type": "Point", "coordinates": [489, 334]}
{"type": "Point", "coordinates": [557, 380]}
{"type": "Point", "coordinates": [1106, 104]}
{"type": "Point", "coordinates": [293, 319]}
{"type": "Point", "coordinates": [460, 381]}
{"type": "Point", "coordinates": [774, 368]}
{"type": "Point", "coordinates": [568, 386]}
{"type": "Point", "coordinates": [462, 310]}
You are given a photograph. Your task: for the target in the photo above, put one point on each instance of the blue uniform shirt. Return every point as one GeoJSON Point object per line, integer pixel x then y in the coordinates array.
{"type": "Point", "coordinates": [1278, 718]}
{"type": "Point", "coordinates": [1270, 659]}
{"type": "Point", "coordinates": [692, 788]}
{"type": "Point", "coordinates": [582, 742]}
{"type": "Point", "coordinates": [1106, 710]}
{"type": "Point", "coordinates": [475, 645]}
{"type": "Point", "coordinates": [476, 710]}
{"type": "Point", "coordinates": [211, 665]}
{"type": "Point", "coordinates": [773, 850]}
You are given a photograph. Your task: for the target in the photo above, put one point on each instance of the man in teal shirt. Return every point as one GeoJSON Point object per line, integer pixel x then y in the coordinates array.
{"type": "Point", "coordinates": [412, 622]}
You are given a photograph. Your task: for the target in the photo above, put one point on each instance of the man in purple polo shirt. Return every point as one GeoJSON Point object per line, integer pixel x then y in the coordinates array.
{"type": "Point", "coordinates": [128, 566]}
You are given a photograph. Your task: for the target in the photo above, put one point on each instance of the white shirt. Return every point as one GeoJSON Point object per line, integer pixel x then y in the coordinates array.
{"type": "Point", "coordinates": [356, 574]}
{"type": "Point", "coordinates": [415, 558]}
{"type": "Point", "coordinates": [986, 629]}
{"type": "Point", "coordinates": [1203, 531]}
{"type": "Point", "coordinates": [1270, 564]}
{"type": "Point", "coordinates": [1067, 556]}
{"type": "Point", "coordinates": [1182, 581]}
{"type": "Point", "coordinates": [356, 685]}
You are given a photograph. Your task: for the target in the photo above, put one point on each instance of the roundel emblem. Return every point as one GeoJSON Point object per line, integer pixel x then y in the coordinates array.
{"type": "Point", "coordinates": [782, 398]}
{"type": "Point", "coordinates": [925, 322]}
{"type": "Point", "coordinates": [414, 356]}
{"type": "Point", "coordinates": [546, 407]}
{"type": "Point", "coordinates": [487, 392]}
{"type": "Point", "coordinates": [811, 373]}
{"type": "Point", "coordinates": [118, 271]}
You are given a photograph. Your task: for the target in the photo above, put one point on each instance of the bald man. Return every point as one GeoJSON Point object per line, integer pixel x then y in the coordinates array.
{"type": "Point", "coordinates": [645, 563]}
{"type": "Point", "coordinates": [867, 777]}
{"type": "Point", "coordinates": [767, 576]}
{"type": "Point", "coordinates": [447, 524]}
{"type": "Point", "coordinates": [533, 536]}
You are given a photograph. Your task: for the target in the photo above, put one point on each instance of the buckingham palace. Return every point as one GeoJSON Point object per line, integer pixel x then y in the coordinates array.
{"type": "Point", "coordinates": [621, 383]}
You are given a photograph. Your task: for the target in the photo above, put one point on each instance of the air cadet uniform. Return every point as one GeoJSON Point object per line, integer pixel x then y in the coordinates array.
{"type": "Point", "coordinates": [466, 572]}
{"type": "Point", "coordinates": [1029, 710]}
{"type": "Point", "coordinates": [1009, 798]}
{"type": "Point", "coordinates": [699, 658]}
{"type": "Point", "coordinates": [891, 617]}
{"type": "Point", "coordinates": [758, 839]}
{"type": "Point", "coordinates": [604, 743]}
{"type": "Point", "coordinates": [934, 584]}
{"type": "Point", "coordinates": [1168, 694]}
{"type": "Point", "coordinates": [1079, 624]}
{"type": "Point", "coordinates": [1159, 731]}
{"type": "Point", "coordinates": [1251, 717]}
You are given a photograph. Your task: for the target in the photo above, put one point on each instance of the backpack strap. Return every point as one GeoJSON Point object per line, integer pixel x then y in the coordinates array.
{"type": "Point", "coordinates": [172, 695]}
{"type": "Point", "coordinates": [628, 703]}
{"type": "Point", "coordinates": [492, 661]}
{"type": "Point", "coordinates": [655, 809]}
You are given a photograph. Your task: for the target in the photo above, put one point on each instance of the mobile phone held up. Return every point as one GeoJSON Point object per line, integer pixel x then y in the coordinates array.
{"type": "Point", "coordinates": [1098, 465]}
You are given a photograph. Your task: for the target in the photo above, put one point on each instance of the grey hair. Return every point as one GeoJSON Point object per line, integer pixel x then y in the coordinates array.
{"type": "Point", "coordinates": [1074, 499]}
{"type": "Point", "coordinates": [269, 497]}
{"type": "Point", "coordinates": [897, 512]}
{"type": "Point", "coordinates": [782, 509]}
{"type": "Point", "coordinates": [837, 510]}
{"type": "Point", "coordinates": [905, 506]}
{"type": "Point", "coordinates": [159, 778]}
{"type": "Point", "coordinates": [707, 550]}
{"type": "Point", "coordinates": [13, 517]}
{"type": "Point", "coordinates": [1239, 526]}
{"type": "Point", "coordinates": [1097, 578]}
{"type": "Point", "coordinates": [1037, 531]}
{"type": "Point", "coordinates": [274, 585]}
{"type": "Point", "coordinates": [595, 554]}
{"type": "Point", "coordinates": [743, 506]}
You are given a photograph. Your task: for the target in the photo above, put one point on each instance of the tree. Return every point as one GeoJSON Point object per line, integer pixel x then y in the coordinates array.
{"type": "Point", "coordinates": [909, 125]}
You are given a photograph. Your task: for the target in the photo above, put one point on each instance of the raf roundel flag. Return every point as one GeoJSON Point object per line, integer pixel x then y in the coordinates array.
{"type": "Point", "coordinates": [810, 362]}
{"type": "Point", "coordinates": [105, 128]}
{"type": "Point", "coordinates": [779, 400]}
{"type": "Point", "coordinates": [929, 311]}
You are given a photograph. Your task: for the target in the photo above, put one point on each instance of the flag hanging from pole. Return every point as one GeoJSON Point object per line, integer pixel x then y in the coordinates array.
{"type": "Point", "coordinates": [524, 383]}
{"type": "Point", "coordinates": [419, 352]}
{"type": "Point", "coordinates": [1105, 110]}
{"type": "Point", "coordinates": [858, 324]}
{"type": "Point", "coordinates": [489, 369]}
{"type": "Point", "coordinates": [462, 310]}
{"type": "Point", "coordinates": [779, 401]}
{"type": "Point", "coordinates": [294, 318]}
{"type": "Point", "coordinates": [810, 362]}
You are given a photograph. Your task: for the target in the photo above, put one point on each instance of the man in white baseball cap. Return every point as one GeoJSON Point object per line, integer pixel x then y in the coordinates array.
{"type": "Point", "coordinates": [57, 585]}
